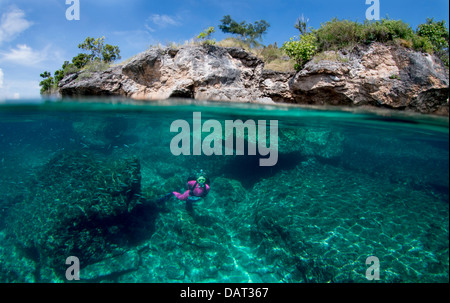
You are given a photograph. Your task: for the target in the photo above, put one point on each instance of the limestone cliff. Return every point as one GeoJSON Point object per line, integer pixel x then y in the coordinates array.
{"type": "Point", "coordinates": [376, 75]}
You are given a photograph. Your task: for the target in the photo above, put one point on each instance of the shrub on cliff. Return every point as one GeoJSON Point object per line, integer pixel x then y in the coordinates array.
{"type": "Point", "coordinates": [431, 37]}
{"type": "Point", "coordinates": [302, 50]}
{"type": "Point", "coordinates": [337, 34]}
{"type": "Point", "coordinates": [384, 30]}
{"type": "Point", "coordinates": [437, 33]}
{"type": "Point", "coordinates": [205, 36]}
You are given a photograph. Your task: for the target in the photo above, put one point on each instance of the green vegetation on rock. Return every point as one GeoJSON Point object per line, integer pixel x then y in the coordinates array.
{"type": "Point", "coordinates": [301, 50]}
{"type": "Point", "coordinates": [431, 37]}
{"type": "Point", "coordinates": [99, 55]}
{"type": "Point", "coordinates": [437, 34]}
{"type": "Point", "coordinates": [334, 35]}
{"type": "Point", "coordinates": [205, 36]}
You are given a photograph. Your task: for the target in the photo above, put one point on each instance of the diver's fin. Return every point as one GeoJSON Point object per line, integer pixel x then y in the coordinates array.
{"type": "Point", "coordinates": [165, 198]}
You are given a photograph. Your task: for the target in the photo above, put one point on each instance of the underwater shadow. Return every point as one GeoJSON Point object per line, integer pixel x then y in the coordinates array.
{"type": "Point", "coordinates": [247, 170]}
{"type": "Point", "coordinates": [139, 224]}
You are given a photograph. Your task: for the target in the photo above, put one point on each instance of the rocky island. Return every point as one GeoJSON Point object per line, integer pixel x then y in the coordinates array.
{"type": "Point", "coordinates": [380, 75]}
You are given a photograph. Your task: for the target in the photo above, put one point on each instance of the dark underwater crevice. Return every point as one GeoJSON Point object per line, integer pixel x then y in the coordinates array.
{"type": "Point", "coordinates": [247, 170]}
{"type": "Point", "coordinates": [127, 229]}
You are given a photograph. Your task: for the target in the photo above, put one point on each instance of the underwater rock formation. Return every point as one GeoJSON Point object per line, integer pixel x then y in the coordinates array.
{"type": "Point", "coordinates": [101, 134]}
{"type": "Point", "coordinates": [312, 223]}
{"type": "Point", "coordinates": [377, 75]}
{"type": "Point", "coordinates": [77, 205]}
{"type": "Point", "coordinates": [310, 142]}
{"type": "Point", "coordinates": [286, 231]}
{"type": "Point", "coordinates": [111, 268]}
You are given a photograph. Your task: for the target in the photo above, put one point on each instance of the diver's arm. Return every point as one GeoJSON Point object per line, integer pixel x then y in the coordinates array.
{"type": "Point", "coordinates": [182, 197]}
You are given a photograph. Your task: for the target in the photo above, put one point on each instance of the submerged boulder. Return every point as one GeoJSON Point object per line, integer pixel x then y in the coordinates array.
{"type": "Point", "coordinates": [311, 142]}
{"type": "Point", "coordinates": [77, 206]}
{"type": "Point", "coordinates": [110, 268]}
{"type": "Point", "coordinates": [101, 133]}
{"type": "Point", "coordinates": [322, 222]}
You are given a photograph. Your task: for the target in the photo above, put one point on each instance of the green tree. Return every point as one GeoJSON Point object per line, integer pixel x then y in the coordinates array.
{"type": "Point", "coordinates": [80, 60]}
{"type": "Point", "coordinates": [248, 33]}
{"type": "Point", "coordinates": [94, 46]}
{"type": "Point", "coordinates": [99, 54]}
{"type": "Point", "coordinates": [110, 53]}
{"type": "Point", "coordinates": [59, 75]}
{"type": "Point", "coordinates": [229, 26]}
{"type": "Point", "coordinates": [46, 75]}
{"type": "Point", "coordinates": [99, 51]}
{"type": "Point", "coordinates": [47, 82]}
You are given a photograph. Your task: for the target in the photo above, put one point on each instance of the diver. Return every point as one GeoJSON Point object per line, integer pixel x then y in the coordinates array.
{"type": "Point", "coordinates": [198, 188]}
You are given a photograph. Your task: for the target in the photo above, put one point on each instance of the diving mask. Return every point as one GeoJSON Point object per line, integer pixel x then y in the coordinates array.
{"type": "Point", "coordinates": [201, 180]}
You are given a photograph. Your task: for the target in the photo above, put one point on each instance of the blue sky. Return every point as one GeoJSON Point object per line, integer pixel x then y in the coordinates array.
{"type": "Point", "coordinates": [36, 36]}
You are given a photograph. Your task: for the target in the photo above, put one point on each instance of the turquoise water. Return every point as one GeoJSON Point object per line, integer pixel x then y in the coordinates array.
{"type": "Point", "coordinates": [84, 179]}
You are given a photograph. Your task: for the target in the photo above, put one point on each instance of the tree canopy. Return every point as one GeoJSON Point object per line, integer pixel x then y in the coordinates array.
{"type": "Point", "coordinates": [99, 51]}
{"type": "Point", "coordinates": [247, 32]}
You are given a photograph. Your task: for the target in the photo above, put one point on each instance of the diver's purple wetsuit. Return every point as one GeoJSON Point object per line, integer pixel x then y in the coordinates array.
{"type": "Point", "coordinates": [198, 191]}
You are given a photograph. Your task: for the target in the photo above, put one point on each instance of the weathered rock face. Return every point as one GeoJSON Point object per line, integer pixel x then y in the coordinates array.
{"type": "Point", "coordinates": [376, 75]}
{"type": "Point", "coordinates": [204, 73]}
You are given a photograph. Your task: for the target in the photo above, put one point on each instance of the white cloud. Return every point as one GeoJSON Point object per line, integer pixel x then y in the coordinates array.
{"type": "Point", "coordinates": [20, 89]}
{"type": "Point", "coordinates": [133, 41]}
{"type": "Point", "coordinates": [23, 55]}
{"type": "Point", "coordinates": [12, 23]}
{"type": "Point", "coordinates": [161, 21]}
{"type": "Point", "coordinates": [1, 78]}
